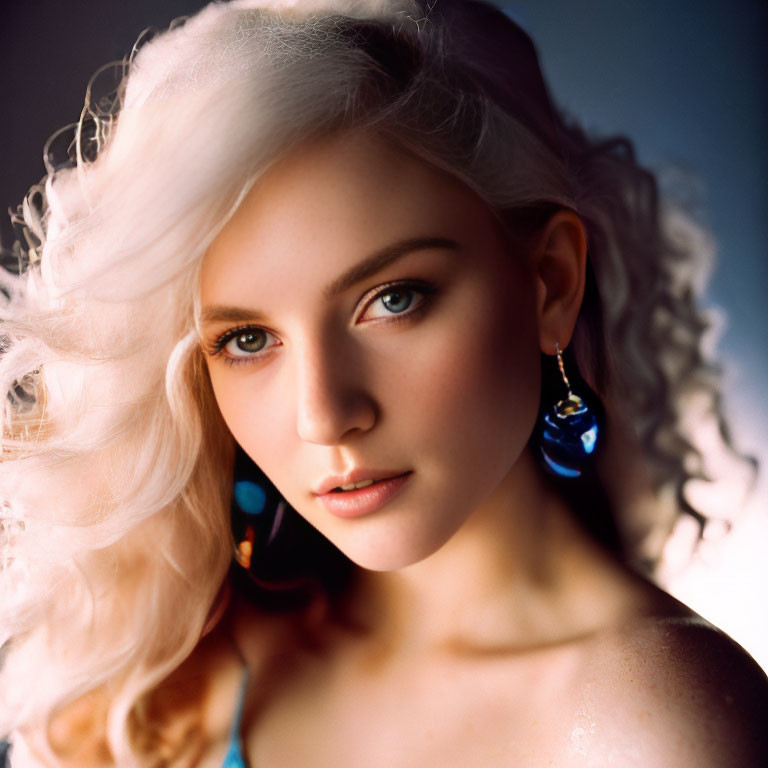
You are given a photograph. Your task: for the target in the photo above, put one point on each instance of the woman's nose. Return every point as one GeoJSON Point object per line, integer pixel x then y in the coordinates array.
{"type": "Point", "coordinates": [332, 400]}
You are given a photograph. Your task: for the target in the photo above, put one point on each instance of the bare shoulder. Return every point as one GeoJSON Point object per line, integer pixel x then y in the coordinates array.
{"type": "Point", "coordinates": [675, 690]}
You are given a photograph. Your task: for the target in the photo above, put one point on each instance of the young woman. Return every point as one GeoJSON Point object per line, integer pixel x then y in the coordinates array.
{"type": "Point", "coordinates": [345, 385]}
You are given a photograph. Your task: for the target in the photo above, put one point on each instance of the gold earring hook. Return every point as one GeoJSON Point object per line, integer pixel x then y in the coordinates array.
{"type": "Point", "coordinates": [561, 366]}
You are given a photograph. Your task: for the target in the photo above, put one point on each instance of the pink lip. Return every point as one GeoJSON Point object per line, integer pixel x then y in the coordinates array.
{"type": "Point", "coordinates": [356, 475]}
{"type": "Point", "coordinates": [362, 501]}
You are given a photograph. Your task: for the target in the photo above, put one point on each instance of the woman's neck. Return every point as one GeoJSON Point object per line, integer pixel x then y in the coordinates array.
{"type": "Point", "coordinates": [519, 574]}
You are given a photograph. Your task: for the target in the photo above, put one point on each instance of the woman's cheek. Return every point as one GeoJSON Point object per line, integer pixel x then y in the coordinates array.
{"type": "Point", "coordinates": [481, 382]}
{"type": "Point", "coordinates": [245, 406]}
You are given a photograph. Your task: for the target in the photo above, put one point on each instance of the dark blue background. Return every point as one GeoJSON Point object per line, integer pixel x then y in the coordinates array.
{"type": "Point", "coordinates": [686, 79]}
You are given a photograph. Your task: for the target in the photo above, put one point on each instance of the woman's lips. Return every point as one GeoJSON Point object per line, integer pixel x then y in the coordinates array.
{"type": "Point", "coordinates": [362, 501]}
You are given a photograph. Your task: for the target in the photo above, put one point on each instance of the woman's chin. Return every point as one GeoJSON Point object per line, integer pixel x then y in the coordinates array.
{"type": "Point", "coordinates": [389, 553]}
{"type": "Point", "coordinates": [384, 562]}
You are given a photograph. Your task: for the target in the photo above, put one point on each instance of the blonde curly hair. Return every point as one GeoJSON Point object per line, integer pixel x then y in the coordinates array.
{"type": "Point", "coordinates": [114, 534]}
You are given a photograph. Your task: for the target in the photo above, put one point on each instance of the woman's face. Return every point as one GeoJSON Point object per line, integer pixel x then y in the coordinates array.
{"type": "Point", "coordinates": [365, 319]}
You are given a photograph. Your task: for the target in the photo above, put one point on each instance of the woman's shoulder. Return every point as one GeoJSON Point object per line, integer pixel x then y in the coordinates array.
{"type": "Point", "coordinates": [673, 689]}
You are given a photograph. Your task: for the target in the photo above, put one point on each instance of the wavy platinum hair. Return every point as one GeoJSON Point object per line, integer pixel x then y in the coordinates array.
{"type": "Point", "coordinates": [115, 471]}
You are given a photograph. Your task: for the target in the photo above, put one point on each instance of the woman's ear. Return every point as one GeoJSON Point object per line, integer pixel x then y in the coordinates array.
{"type": "Point", "coordinates": [559, 266]}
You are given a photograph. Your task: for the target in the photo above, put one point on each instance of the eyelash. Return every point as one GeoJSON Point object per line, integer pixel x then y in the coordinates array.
{"type": "Point", "coordinates": [217, 347]}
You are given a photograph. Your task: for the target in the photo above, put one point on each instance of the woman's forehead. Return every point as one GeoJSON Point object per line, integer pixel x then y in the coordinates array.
{"type": "Point", "coordinates": [337, 199]}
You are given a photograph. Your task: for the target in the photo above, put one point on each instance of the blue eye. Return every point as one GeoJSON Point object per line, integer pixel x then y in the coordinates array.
{"type": "Point", "coordinates": [395, 299]}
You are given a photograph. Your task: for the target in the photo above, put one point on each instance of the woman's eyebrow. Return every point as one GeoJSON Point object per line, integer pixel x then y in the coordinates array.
{"type": "Point", "coordinates": [221, 314]}
{"type": "Point", "coordinates": [365, 269]}
{"type": "Point", "coordinates": [383, 257]}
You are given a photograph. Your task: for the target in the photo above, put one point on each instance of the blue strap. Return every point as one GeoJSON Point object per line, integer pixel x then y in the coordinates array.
{"type": "Point", "coordinates": [234, 757]}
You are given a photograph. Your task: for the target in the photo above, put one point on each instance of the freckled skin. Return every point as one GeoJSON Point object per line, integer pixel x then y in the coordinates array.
{"type": "Point", "coordinates": [451, 394]}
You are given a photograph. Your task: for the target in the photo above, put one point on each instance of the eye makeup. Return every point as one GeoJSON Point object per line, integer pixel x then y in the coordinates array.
{"type": "Point", "coordinates": [400, 300]}
{"type": "Point", "coordinates": [243, 336]}
{"type": "Point", "coordinates": [392, 295]}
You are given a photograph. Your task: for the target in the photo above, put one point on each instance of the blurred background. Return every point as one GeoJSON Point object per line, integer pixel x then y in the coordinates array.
{"type": "Point", "coordinates": [687, 81]}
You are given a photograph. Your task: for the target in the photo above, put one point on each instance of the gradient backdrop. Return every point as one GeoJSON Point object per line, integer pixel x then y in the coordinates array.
{"type": "Point", "coordinates": [688, 81]}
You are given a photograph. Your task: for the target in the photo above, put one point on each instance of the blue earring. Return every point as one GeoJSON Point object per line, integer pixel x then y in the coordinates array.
{"type": "Point", "coordinates": [257, 510]}
{"type": "Point", "coordinates": [279, 559]}
{"type": "Point", "coordinates": [568, 431]}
